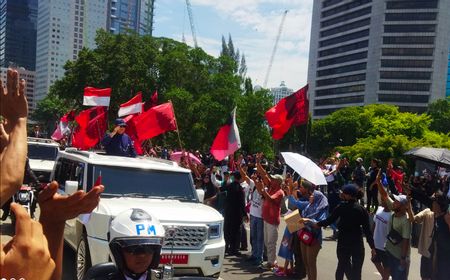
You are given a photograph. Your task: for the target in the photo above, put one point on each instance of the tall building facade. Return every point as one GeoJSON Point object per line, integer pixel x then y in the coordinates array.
{"type": "Point", "coordinates": [280, 92]}
{"type": "Point", "coordinates": [364, 52]}
{"type": "Point", "coordinates": [64, 28]}
{"type": "Point", "coordinates": [447, 89]}
{"type": "Point", "coordinates": [29, 77]}
{"type": "Point", "coordinates": [133, 15]}
{"type": "Point", "coordinates": [18, 21]}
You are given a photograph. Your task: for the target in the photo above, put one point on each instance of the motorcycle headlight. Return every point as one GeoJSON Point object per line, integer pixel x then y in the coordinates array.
{"type": "Point", "coordinates": [214, 231]}
{"type": "Point", "coordinates": [24, 196]}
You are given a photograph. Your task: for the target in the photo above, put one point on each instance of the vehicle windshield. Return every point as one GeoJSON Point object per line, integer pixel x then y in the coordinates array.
{"type": "Point", "coordinates": [146, 183]}
{"type": "Point", "coordinates": [42, 152]}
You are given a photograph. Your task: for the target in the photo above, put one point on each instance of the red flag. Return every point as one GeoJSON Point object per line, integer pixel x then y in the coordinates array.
{"type": "Point", "coordinates": [155, 121]}
{"type": "Point", "coordinates": [152, 102]}
{"type": "Point", "coordinates": [131, 131]}
{"type": "Point", "coordinates": [132, 106]}
{"type": "Point", "coordinates": [91, 128]}
{"type": "Point", "coordinates": [291, 110]}
{"type": "Point", "coordinates": [227, 140]}
{"type": "Point", "coordinates": [96, 96]}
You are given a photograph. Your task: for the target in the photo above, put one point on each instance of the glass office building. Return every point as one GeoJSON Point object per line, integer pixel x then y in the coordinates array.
{"type": "Point", "coordinates": [131, 15]}
{"type": "Point", "coordinates": [18, 24]}
{"type": "Point", "coordinates": [366, 51]}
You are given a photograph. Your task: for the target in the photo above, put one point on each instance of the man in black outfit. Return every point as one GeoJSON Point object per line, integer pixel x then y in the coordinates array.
{"type": "Point", "coordinates": [233, 213]}
{"type": "Point", "coordinates": [118, 143]}
{"type": "Point", "coordinates": [350, 248]}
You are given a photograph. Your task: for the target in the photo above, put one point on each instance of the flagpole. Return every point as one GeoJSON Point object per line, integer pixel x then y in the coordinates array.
{"type": "Point", "coordinates": [306, 136]}
{"type": "Point", "coordinates": [176, 123]}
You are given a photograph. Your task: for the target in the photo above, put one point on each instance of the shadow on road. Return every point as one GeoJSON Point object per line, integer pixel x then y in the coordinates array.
{"type": "Point", "coordinates": [237, 267]}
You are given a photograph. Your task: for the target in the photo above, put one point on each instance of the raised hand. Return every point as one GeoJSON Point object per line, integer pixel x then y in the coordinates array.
{"type": "Point", "coordinates": [13, 101]}
{"type": "Point", "coordinates": [59, 208]}
{"type": "Point", "coordinates": [27, 255]}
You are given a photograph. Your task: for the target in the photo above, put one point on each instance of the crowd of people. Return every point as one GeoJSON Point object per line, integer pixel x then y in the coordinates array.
{"type": "Point", "coordinates": [381, 202]}
{"type": "Point", "coordinates": [250, 189]}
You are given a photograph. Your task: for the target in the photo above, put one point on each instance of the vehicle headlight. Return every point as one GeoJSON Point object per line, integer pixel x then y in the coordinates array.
{"type": "Point", "coordinates": [214, 231]}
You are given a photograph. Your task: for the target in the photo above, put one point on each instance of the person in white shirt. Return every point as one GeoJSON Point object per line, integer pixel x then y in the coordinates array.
{"type": "Point", "coordinates": [256, 221]}
{"type": "Point", "coordinates": [380, 231]}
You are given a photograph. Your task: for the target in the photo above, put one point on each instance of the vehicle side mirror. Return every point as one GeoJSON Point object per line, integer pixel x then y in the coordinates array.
{"type": "Point", "coordinates": [70, 187]}
{"type": "Point", "coordinates": [200, 194]}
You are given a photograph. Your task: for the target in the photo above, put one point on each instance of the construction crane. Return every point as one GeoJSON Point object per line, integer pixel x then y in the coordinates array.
{"type": "Point", "coordinates": [191, 21]}
{"type": "Point", "coordinates": [280, 29]}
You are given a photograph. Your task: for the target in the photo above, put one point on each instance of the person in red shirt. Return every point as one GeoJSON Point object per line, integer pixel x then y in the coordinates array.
{"type": "Point", "coordinates": [273, 196]}
{"type": "Point", "coordinates": [396, 176]}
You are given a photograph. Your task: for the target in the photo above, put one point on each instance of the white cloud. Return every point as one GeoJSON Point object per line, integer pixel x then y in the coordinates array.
{"type": "Point", "coordinates": [259, 22]}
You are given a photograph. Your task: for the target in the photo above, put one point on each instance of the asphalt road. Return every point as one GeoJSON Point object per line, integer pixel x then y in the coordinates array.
{"type": "Point", "coordinates": [235, 268]}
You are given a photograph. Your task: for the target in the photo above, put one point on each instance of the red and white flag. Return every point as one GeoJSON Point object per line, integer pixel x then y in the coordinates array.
{"type": "Point", "coordinates": [96, 96]}
{"type": "Point", "coordinates": [132, 106]}
{"type": "Point", "coordinates": [63, 128]}
{"type": "Point", "coordinates": [227, 140]}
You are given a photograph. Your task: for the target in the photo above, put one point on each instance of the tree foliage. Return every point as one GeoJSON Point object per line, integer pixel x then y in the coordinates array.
{"type": "Point", "coordinates": [439, 111]}
{"type": "Point", "coordinates": [203, 89]}
{"type": "Point", "coordinates": [379, 131]}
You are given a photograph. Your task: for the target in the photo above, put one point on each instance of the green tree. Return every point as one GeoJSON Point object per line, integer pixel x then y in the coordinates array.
{"type": "Point", "coordinates": [255, 134]}
{"type": "Point", "coordinates": [439, 111]}
{"type": "Point", "coordinates": [202, 88]}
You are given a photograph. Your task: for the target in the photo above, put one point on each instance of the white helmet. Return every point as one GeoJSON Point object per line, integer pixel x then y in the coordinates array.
{"type": "Point", "coordinates": [135, 227]}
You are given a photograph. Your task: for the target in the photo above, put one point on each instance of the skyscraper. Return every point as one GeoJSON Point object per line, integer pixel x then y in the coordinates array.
{"type": "Point", "coordinates": [18, 20]}
{"type": "Point", "coordinates": [447, 88]}
{"type": "Point", "coordinates": [64, 28]}
{"type": "Point", "coordinates": [133, 15]}
{"type": "Point", "coordinates": [364, 52]}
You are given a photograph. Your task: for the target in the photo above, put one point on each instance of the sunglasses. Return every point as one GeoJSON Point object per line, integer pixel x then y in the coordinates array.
{"type": "Point", "coordinates": [138, 249]}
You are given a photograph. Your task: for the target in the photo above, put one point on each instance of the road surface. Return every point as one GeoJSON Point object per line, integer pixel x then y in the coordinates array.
{"type": "Point", "coordinates": [235, 268]}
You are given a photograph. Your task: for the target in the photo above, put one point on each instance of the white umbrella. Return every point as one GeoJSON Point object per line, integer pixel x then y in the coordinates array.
{"type": "Point", "coordinates": [305, 167]}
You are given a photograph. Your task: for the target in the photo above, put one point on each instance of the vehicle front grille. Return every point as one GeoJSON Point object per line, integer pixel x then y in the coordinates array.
{"type": "Point", "coordinates": [185, 237]}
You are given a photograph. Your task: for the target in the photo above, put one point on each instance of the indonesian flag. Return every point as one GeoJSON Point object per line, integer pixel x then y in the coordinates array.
{"type": "Point", "coordinates": [96, 96]}
{"type": "Point", "coordinates": [133, 106]}
{"type": "Point", "coordinates": [227, 140]}
{"type": "Point", "coordinates": [291, 110]}
{"type": "Point", "coordinates": [62, 127]}
{"type": "Point", "coordinates": [91, 128]}
{"type": "Point", "coordinates": [155, 121]}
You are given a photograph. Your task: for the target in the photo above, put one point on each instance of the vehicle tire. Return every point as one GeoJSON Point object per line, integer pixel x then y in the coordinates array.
{"type": "Point", "coordinates": [83, 258]}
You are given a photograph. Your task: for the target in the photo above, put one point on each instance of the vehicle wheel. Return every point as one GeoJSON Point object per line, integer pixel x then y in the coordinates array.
{"type": "Point", "coordinates": [83, 256]}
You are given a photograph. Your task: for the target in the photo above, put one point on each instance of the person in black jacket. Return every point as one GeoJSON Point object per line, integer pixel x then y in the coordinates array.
{"type": "Point", "coordinates": [118, 143]}
{"type": "Point", "coordinates": [234, 213]}
{"type": "Point", "coordinates": [353, 221]}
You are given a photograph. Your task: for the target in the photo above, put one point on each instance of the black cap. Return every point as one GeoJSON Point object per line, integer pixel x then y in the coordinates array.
{"type": "Point", "coordinates": [120, 122]}
{"type": "Point", "coordinates": [350, 189]}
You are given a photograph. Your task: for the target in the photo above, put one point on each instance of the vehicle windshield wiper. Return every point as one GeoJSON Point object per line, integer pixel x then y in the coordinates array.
{"type": "Point", "coordinates": [180, 197]}
{"type": "Point", "coordinates": [111, 194]}
{"type": "Point", "coordinates": [135, 195]}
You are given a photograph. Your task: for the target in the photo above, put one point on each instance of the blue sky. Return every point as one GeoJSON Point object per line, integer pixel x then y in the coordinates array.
{"type": "Point", "coordinates": [253, 25]}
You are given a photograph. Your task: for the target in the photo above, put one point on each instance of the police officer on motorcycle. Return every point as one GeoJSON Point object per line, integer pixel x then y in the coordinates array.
{"type": "Point", "coordinates": [136, 238]}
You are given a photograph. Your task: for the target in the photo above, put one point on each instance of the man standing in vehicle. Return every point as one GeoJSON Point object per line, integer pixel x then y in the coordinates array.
{"type": "Point", "coordinates": [118, 143]}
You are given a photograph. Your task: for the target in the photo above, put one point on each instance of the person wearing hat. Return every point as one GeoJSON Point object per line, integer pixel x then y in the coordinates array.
{"type": "Point", "coordinates": [398, 239]}
{"type": "Point", "coordinates": [353, 221]}
{"type": "Point", "coordinates": [118, 143]}
{"type": "Point", "coordinates": [271, 210]}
